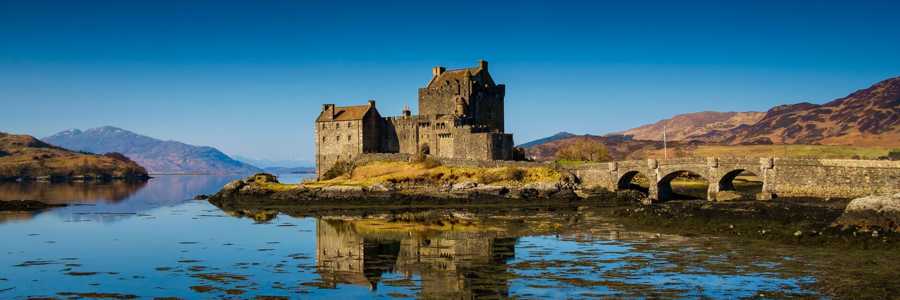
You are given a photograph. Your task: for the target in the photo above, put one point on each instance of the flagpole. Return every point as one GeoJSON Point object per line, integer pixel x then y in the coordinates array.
{"type": "Point", "coordinates": [665, 144]}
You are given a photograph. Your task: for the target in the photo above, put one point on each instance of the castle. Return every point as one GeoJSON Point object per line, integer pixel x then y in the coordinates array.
{"type": "Point", "coordinates": [460, 116]}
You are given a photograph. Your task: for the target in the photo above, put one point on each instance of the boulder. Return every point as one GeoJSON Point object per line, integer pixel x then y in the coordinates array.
{"type": "Point", "coordinates": [232, 186]}
{"type": "Point", "coordinates": [494, 190]}
{"type": "Point", "coordinates": [379, 188]}
{"type": "Point", "coordinates": [343, 189]}
{"type": "Point", "coordinates": [263, 178]}
{"type": "Point", "coordinates": [877, 212]}
{"type": "Point", "coordinates": [463, 186]}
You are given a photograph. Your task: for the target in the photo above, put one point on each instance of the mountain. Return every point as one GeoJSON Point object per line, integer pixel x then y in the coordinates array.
{"type": "Point", "coordinates": [867, 117]}
{"type": "Point", "coordinates": [23, 156]}
{"type": "Point", "coordinates": [269, 163]}
{"type": "Point", "coordinates": [156, 155]}
{"type": "Point", "coordinates": [558, 136]}
{"type": "Point", "coordinates": [619, 147]}
{"type": "Point", "coordinates": [290, 170]}
{"type": "Point", "coordinates": [682, 126]}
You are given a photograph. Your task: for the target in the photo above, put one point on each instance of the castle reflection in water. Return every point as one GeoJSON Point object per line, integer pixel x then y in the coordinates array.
{"type": "Point", "coordinates": [449, 264]}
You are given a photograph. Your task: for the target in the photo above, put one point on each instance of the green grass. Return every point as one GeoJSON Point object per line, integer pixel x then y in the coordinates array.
{"type": "Point", "coordinates": [425, 173]}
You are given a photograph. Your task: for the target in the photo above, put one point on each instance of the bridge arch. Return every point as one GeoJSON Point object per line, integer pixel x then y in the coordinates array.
{"type": "Point", "coordinates": [664, 186]}
{"type": "Point", "coordinates": [749, 183]}
{"type": "Point", "coordinates": [627, 181]}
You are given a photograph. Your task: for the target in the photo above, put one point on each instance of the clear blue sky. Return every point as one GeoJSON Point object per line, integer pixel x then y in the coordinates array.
{"type": "Point", "coordinates": [248, 77]}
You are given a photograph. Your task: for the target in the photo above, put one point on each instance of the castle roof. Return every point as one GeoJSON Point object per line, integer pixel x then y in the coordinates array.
{"type": "Point", "coordinates": [346, 113]}
{"type": "Point", "coordinates": [463, 74]}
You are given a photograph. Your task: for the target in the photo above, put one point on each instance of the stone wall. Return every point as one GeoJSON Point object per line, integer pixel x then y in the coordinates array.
{"type": "Point", "coordinates": [832, 177]}
{"type": "Point", "coordinates": [337, 141]}
{"type": "Point", "coordinates": [453, 162]}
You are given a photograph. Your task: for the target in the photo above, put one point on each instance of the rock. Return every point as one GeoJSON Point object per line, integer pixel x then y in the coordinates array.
{"type": "Point", "coordinates": [539, 190]}
{"type": "Point", "coordinates": [342, 189]}
{"type": "Point", "coordinates": [379, 188]}
{"type": "Point", "coordinates": [26, 205]}
{"type": "Point", "coordinates": [631, 196]}
{"type": "Point", "coordinates": [494, 190]}
{"type": "Point", "coordinates": [728, 196]}
{"type": "Point", "coordinates": [463, 186]}
{"type": "Point", "coordinates": [201, 197]}
{"type": "Point", "coordinates": [872, 213]}
{"type": "Point", "coordinates": [263, 178]}
{"type": "Point", "coordinates": [232, 186]}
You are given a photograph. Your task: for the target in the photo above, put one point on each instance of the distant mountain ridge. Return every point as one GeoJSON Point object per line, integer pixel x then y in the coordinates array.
{"type": "Point", "coordinates": [155, 155]}
{"type": "Point", "coordinates": [867, 117]}
{"type": "Point", "coordinates": [683, 126]}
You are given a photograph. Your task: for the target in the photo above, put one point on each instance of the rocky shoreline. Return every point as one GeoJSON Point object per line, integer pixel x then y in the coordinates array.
{"type": "Point", "coordinates": [26, 205]}
{"type": "Point", "coordinates": [837, 217]}
{"type": "Point", "coordinates": [76, 178]}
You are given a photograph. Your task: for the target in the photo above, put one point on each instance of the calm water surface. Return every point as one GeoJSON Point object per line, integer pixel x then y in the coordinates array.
{"type": "Point", "coordinates": [151, 240]}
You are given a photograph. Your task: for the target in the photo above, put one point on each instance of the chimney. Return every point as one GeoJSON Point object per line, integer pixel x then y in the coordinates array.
{"type": "Point", "coordinates": [482, 64]}
{"type": "Point", "coordinates": [371, 102]}
{"type": "Point", "coordinates": [328, 110]}
{"type": "Point", "coordinates": [406, 112]}
{"type": "Point", "coordinates": [437, 71]}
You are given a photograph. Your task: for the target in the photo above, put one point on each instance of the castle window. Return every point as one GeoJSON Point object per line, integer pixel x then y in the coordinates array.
{"type": "Point", "coordinates": [348, 138]}
{"type": "Point", "coordinates": [323, 138]}
{"type": "Point", "coordinates": [337, 125]}
{"type": "Point", "coordinates": [338, 138]}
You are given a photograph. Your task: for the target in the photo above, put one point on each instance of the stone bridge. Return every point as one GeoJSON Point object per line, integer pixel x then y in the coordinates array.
{"type": "Point", "coordinates": [785, 177]}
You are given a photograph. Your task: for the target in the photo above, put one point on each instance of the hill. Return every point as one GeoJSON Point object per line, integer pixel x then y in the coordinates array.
{"type": "Point", "coordinates": [169, 157]}
{"type": "Point", "coordinates": [867, 117]}
{"type": "Point", "coordinates": [619, 147]}
{"type": "Point", "coordinates": [25, 157]}
{"type": "Point", "coordinates": [683, 126]}
{"type": "Point", "coordinates": [548, 139]}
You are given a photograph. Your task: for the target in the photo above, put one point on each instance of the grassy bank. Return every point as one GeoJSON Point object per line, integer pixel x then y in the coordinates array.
{"type": "Point", "coordinates": [794, 151]}
{"type": "Point", "coordinates": [432, 173]}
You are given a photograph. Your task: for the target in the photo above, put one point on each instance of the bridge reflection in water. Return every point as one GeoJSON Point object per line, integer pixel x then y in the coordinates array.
{"type": "Point", "coordinates": [449, 264]}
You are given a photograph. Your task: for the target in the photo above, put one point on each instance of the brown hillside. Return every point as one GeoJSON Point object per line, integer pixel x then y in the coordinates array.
{"type": "Point", "coordinates": [619, 148]}
{"type": "Point", "coordinates": [868, 117]}
{"type": "Point", "coordinates": [682, 126]}
{"type": "Point", "coordinates": [25, 157]}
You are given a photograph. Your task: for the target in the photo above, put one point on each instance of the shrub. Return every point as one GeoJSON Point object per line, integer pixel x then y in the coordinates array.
{"type": "Point", "coordinates": [584, 149]}
{"type": "Point", "coordinates": [340, 168]}
{"type": "Point", "coordinates": [894, 154]}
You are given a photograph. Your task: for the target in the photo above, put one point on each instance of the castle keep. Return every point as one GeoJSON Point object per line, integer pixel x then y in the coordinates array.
{"type": "Point", "coordinates": [460, 116]}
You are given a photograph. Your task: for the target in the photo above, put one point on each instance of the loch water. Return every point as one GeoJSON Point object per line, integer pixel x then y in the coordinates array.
{"type": "Point", "coordinates": [151, 239]}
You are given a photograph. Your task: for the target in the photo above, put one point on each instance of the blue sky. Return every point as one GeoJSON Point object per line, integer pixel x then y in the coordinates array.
{"type": "Point", "coordinates": [248, 77]}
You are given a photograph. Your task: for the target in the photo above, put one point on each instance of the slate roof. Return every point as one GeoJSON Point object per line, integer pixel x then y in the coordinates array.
{"type": "Point", "coordinates": [460, 74]}
{"type": "Point", "coordinates": [347, 113]}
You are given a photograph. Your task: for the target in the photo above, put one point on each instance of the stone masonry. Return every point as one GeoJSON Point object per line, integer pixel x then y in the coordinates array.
{"type": "Point", "coordinates": [460, 116]}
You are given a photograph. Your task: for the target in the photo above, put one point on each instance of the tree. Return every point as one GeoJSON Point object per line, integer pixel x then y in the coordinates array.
{"type": "Point", "coordinates": [584, 149]}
